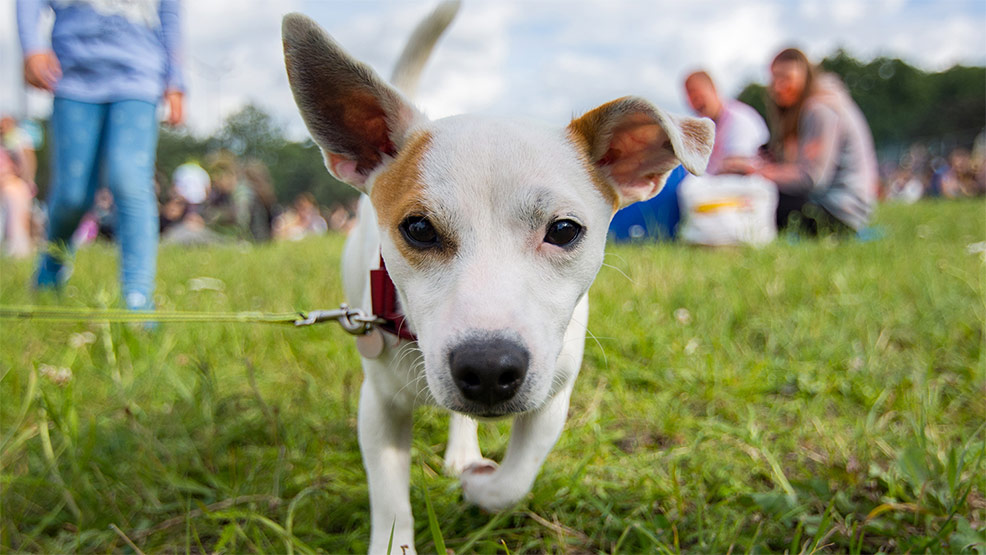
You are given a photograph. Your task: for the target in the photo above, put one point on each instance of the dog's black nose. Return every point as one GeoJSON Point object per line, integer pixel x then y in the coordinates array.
{"type": "Point", "coordinates": [489, 371]}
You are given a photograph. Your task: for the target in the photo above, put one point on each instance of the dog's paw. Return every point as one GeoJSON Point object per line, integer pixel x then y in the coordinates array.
{"type": "Point", "coordinates": [458, 460]}
{"type": "Point", "coordinates": [482, 466]}
{"type": "Point", "coordinates": [483, 486]}
{"type": "Point", "coordinates": [397, 547]}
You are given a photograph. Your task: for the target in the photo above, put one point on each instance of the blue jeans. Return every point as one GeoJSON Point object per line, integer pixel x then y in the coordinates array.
{"type": "Point", "coordinates": [112, 144]}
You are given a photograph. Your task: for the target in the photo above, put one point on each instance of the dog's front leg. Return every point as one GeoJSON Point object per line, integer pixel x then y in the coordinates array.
{"type": "Point", "coordinates": [532, 437]}
{"type": "Point", "coordinates": [385, 442]}
{"type": "Point", "coordinates": [462, 448]}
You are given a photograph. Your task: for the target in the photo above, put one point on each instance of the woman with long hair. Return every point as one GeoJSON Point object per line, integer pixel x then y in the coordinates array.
{"type": "Point", "coordinates": [820, 153]}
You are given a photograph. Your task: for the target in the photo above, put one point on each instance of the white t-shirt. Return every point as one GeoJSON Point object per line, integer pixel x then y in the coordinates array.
{"type": "Point", "coordinates": [191, 182]}
{"type": "Point", "coordinates": [739, 132]}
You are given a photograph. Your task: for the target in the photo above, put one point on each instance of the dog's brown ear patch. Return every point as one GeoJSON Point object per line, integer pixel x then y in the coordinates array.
{"type": "Point", "coordinates": [583, 134]}
{"type": "Point", "coordinates": [632, 146]}
{"type": "Point", "coordinates": [354, 116]}
{"type": "Point", "coordinates": [399, 188]}
{"type": "Point", "coordinates": [399, 192]}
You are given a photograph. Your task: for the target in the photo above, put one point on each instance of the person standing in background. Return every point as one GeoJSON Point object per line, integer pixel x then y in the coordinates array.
{"type": "Point", "coordinates": [108, 65]}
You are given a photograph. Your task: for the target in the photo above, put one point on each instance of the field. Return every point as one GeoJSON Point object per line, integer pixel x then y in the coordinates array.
{"type": "Point", "coordinates": [808, 396]}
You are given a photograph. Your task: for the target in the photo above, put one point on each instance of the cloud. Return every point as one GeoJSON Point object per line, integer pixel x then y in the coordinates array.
{"type": "Point", "coordinates": [469, 68]}
{"type": "Point", "coordinates": [563, 62]}
{"type": "Point", "coordinates": [232, 58]}
{"type": "Point", "coordinates": [551, 60]}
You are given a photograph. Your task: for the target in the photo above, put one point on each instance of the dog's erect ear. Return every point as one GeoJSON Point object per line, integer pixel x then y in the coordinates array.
{"type": "Point", "coordinates": [358, 120]}
{"type": "Point", "coordinates": [634, 145]}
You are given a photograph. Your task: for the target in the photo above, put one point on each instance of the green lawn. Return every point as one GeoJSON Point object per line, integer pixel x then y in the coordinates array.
{"type": "Point", "coordinates": [811, 395]}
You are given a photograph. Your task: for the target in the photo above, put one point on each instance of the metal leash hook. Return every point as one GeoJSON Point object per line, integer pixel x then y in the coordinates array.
{"type": "Point", "coordinates": [315, 317]}
{"type": "Point", "coordinates": [369, 339]}
{"type": "Point", "coordinates": [353, 320]}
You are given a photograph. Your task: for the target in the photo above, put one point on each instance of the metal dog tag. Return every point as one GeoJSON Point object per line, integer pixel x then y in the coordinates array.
{"type": "Point", "coordinates": [370, 344]}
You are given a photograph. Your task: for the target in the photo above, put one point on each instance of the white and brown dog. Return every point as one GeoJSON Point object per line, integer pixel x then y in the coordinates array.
{"type": "Point", "coordinates": [492, 231]}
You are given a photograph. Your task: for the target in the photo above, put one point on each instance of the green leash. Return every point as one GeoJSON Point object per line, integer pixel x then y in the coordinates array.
{"type": "Point", "coordinates": [82, 314]}
{"type": "Point", "coordinates": [352, 320]}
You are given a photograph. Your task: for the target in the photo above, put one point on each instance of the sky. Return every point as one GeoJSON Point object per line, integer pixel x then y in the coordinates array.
{"type": "Point", "coordinates": [548, 60]}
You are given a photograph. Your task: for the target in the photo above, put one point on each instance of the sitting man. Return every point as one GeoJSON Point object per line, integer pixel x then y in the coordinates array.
{"type": "Point", "coordinates": [739, 128]}
{"type": "Point", "coordinates": [720, 209]}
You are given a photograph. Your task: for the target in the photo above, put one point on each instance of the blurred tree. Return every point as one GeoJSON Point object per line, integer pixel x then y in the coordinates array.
{"type": "Point", "coordinates": [250, 133]}
{"type": "Point", "coordinates": [299, 168]}
{"type": "Point", "coordinates": [904, 104]}
{"type": "Point", "coordinates": [755, 95]}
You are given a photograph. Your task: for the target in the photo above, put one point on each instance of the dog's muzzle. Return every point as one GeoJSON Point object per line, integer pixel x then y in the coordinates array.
{"type": "Point", "coordinates": [489, 371]}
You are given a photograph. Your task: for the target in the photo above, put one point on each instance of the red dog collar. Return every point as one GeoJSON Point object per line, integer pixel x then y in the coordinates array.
{"type": "Point", "coordinates": [384, 296]}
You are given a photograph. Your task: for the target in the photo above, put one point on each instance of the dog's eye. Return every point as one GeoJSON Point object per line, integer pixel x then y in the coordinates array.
{"type": "Point", "coordinates": [563, 233]}
{"type": "Point", "coordinates": [419, 232]}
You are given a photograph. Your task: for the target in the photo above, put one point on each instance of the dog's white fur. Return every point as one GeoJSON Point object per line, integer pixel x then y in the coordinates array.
{"type": "Point", "coordinates": [493, 187]}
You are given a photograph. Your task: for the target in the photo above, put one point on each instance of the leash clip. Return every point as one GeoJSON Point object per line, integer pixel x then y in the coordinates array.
{"type": "Point", "coordinates": [353, 320]}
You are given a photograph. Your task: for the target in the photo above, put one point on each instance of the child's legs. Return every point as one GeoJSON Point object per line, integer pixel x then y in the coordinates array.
{"type": "Point", "coordinates": [129, 148]}
{"type": "Point", "coordinates": [76, 130]}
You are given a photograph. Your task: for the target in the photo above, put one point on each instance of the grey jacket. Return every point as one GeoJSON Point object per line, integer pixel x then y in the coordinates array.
{"type": "Point", "coordinates": [836, 161]}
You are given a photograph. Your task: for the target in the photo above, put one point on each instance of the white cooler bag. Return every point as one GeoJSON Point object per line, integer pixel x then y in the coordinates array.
{"type": "Point", "coordinates": [727, 210]}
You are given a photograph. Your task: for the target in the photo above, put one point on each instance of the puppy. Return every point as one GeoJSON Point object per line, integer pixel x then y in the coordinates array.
{"type": "Point", "coordinates": [491, 232]}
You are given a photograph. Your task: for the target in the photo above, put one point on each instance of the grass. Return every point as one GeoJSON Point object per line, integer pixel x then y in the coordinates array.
{"type": "Point", "coordinates": [808, 396]}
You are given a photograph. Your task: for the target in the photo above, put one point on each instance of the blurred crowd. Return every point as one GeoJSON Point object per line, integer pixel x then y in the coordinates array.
{"type": "Point", "coordinates": [922, 172]}
{"type": "Point", "coordinates": [233, 199]}
{"type": "Point", "coordinates": [217, 200]}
